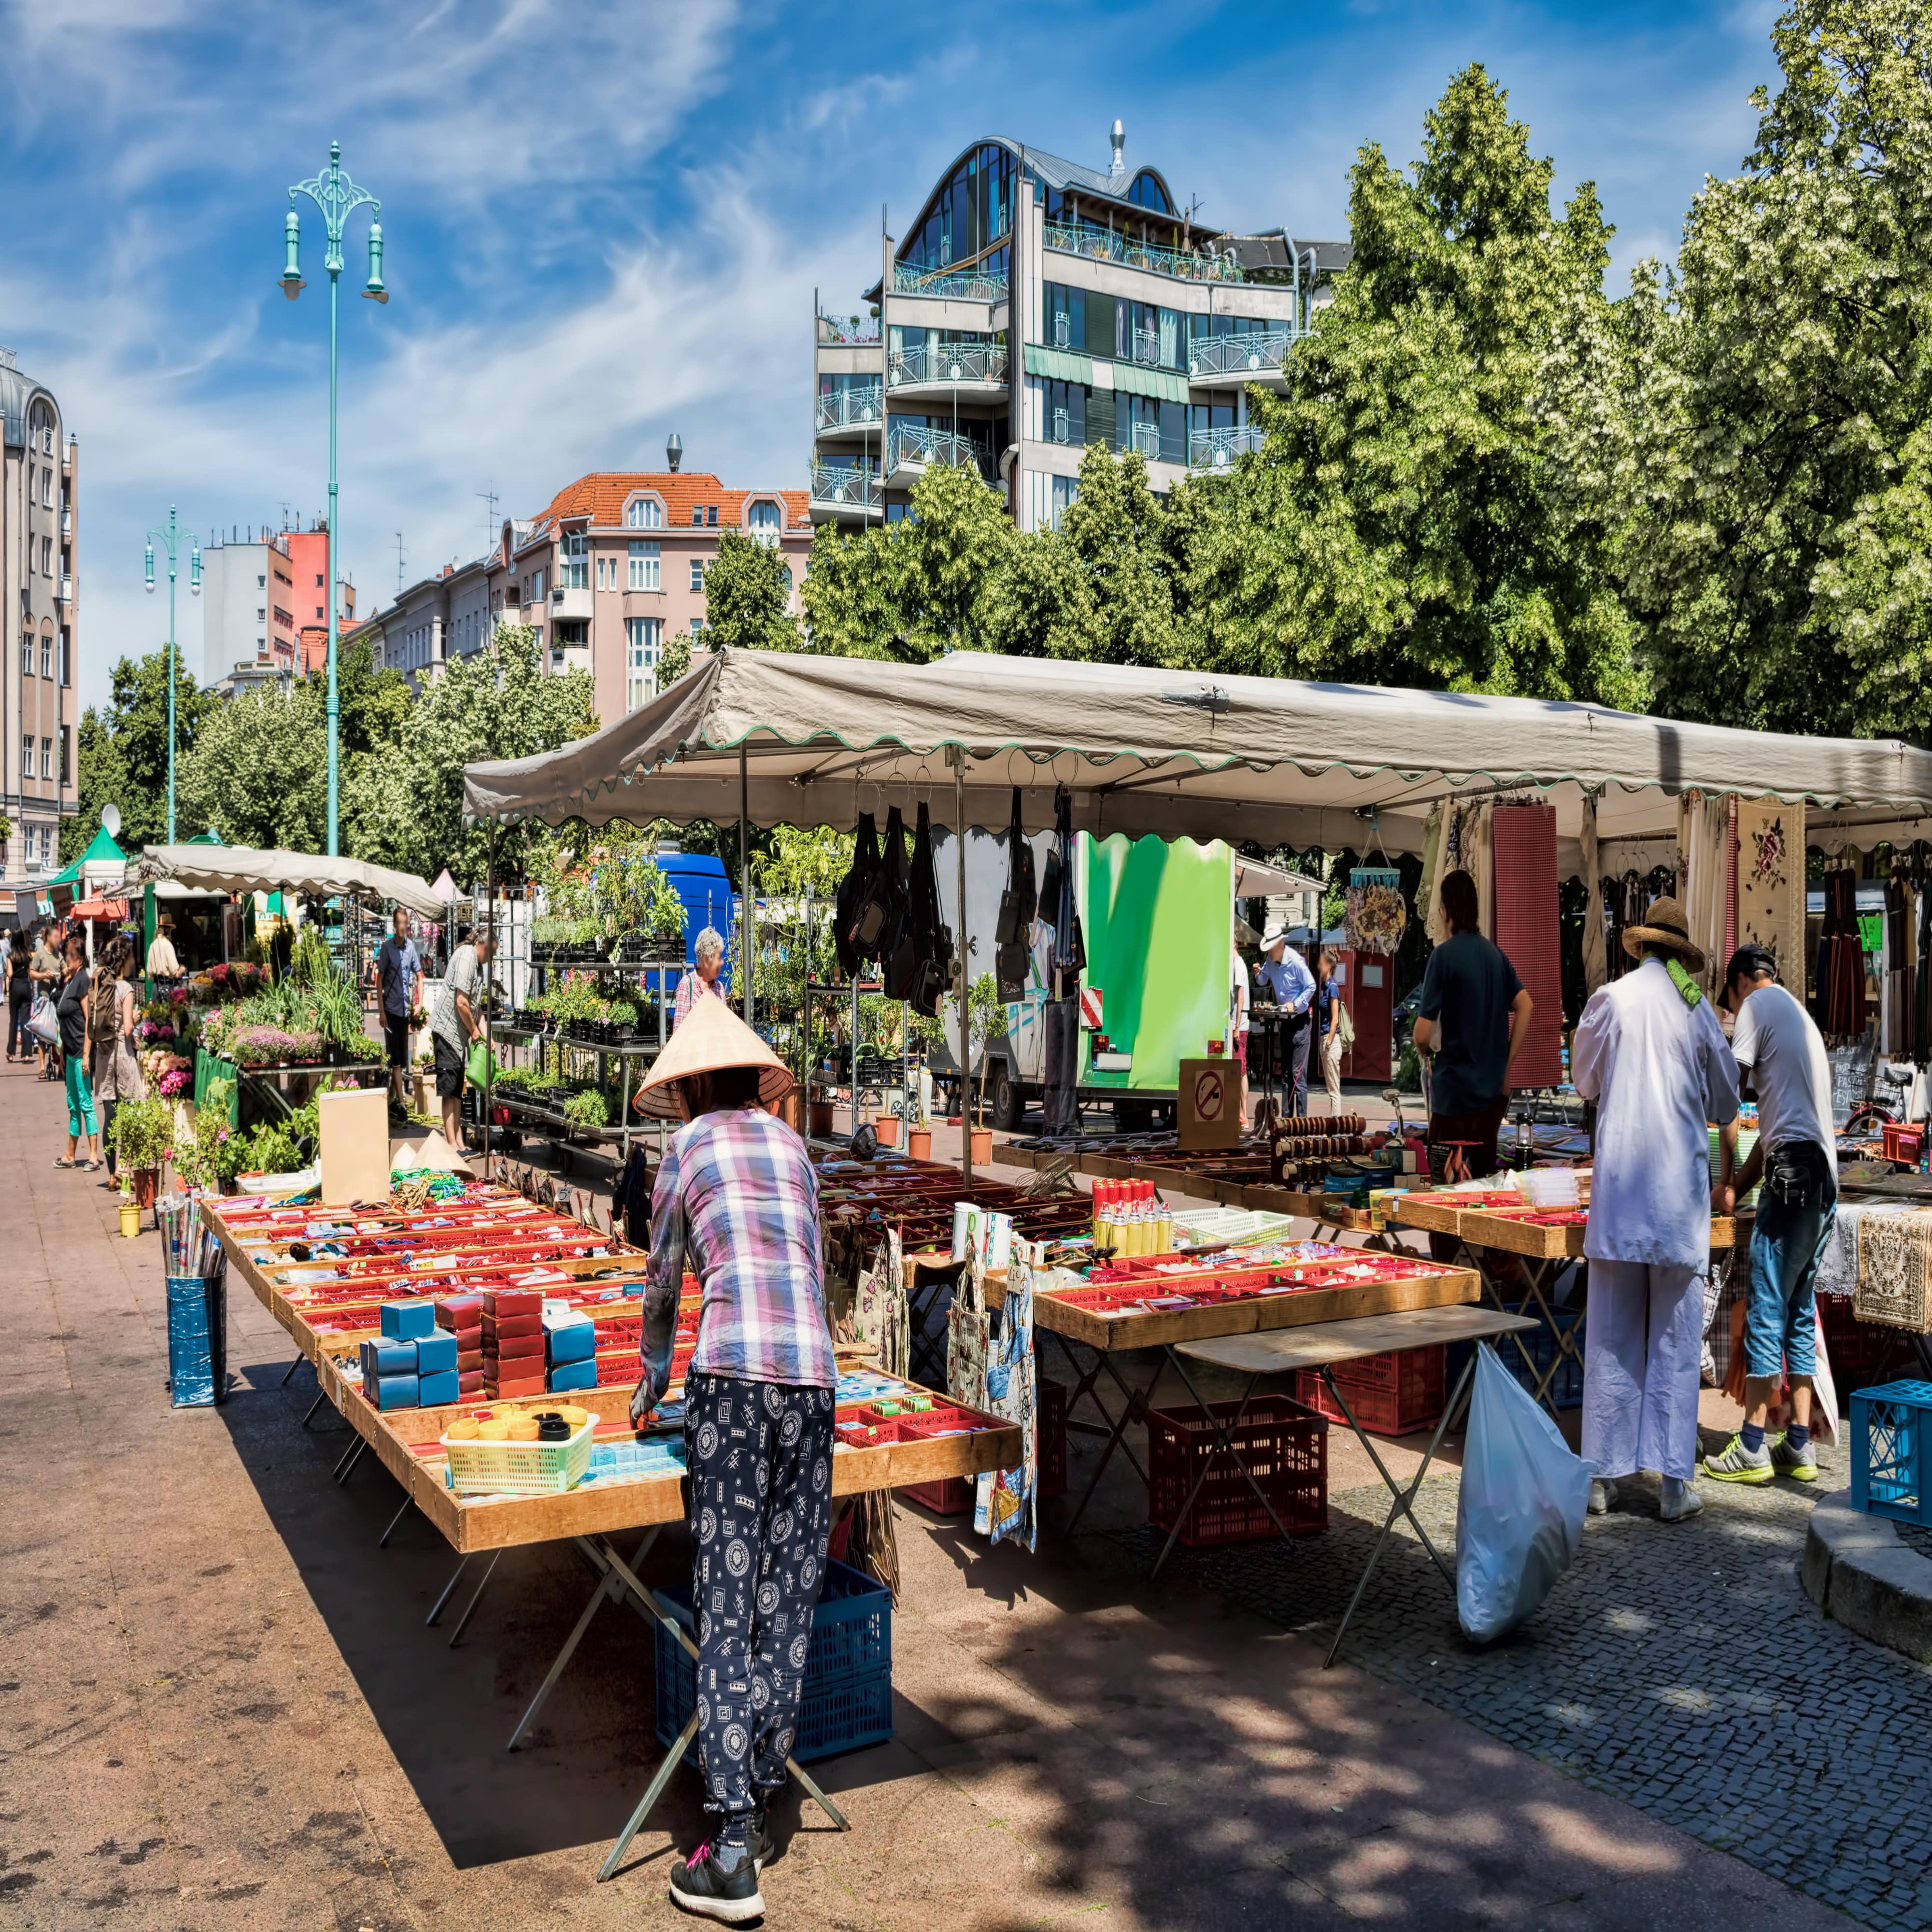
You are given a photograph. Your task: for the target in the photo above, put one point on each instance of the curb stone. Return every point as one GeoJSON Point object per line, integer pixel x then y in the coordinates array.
{"type": "Point", "coordinates": [1858, 1572]}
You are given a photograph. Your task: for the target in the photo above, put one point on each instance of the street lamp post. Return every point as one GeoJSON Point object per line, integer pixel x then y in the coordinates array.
{"type": "Point", "coordinates": [337, 197]}
{"type": "Point", "coordinates": [171, 540]}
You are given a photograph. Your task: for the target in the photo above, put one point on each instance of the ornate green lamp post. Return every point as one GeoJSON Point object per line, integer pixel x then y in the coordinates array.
{"type": "Point", "coordinates": [171, 540]}
{"type": "Point", "coordinates": [337, 197]}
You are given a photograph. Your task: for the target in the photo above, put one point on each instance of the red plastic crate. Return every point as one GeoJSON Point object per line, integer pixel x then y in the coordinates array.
{"type": "Point", "coordinates": [1900, 1142]}
{"type": "Point", "coordinates": [1863, 1354]}
{"type": "Point", "coordinates": [950, 1496]}
{"type": "Point", "coordinates": [1393, 1394]}
{"type": "Point", "coordinates": [1284, 1446]}
{"type": "Point", "coordinates": [1050, 1429]}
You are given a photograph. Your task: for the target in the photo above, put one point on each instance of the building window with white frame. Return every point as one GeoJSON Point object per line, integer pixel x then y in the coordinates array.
{"type": "Point", "coordinates": [644, 640]}
{"type": "Point", "coordinates": [46, 657]}
{"type": "Point", "coordinates": [764, 521]}
{"type": "Point", "coordinates": [47, 757]}
{"type": "Point", "coordinates": [698, 575]}
{"type": "Point", "coordinates": [645, 565]}
{"type": "Point", "coordinates": [643, 513]}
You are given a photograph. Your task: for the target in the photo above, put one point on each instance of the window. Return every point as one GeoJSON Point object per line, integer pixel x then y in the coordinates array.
{"type": "Point", "coordinates": [46, 657]}
{"type": "Point", "coordinates": [26, 654]}
{"type": "Point", "coordinates": [643, 513]}
{"type": "Point", "coordinates": [261, 584]}
{"type": "Point", "coordinates": [321, 615]}
{"type": "Point", "coordinates": [46, 556]}
{"type": "Point", "coordinates": [1066, 494]}
{"type": "Point", "coordinates": [66, 733]}
{"type": "Point", "coordinates": [66, 659]}
{"type": "Point", "coordinates": [711, 516]}
{"type": "Point", "coordinates": [697, 516]}
{"type": "Point", "coordinates": [645, 564]}
{"type": "Point", "coordinates": [318, 580]}
{"type": "Point", "coordinates": [26, 755]}
{"type": "Point", "coordinates": [537, 582]}
{"type": "Point", "coordinates": [698, 575]}
{"type": "Point", "coordinates": [765, 520]}
{"type": "Point", "coordinates": [643, 640]}
{"type": "Point", "coordinates": [262, 614]}
{"type": "Point", "coordinates": [573, 570]}
{"type": "Point", "coordinates": [46, 489]}
{"type": "Point", "coordinates": [47, 757]}
{"type": "Point", "coordinates": [1063, 412]}
{"type": "Point", "coordinates": [603, 573]}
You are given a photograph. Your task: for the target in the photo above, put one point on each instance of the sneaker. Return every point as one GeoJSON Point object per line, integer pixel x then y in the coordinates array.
{"type": "Point", "coordinates": [764, 1847]}
{"type": "Point", "coordinates": [702, 1885]}
{"type": "Point", "coordinates": [1680, 1500]}
{"type": "Point", "coordinates": [1603, 1495]}
{"type": "Point", "coordinates": [1736, 1464]}
{"type": "Point", "coordinates": [1801, 1464]}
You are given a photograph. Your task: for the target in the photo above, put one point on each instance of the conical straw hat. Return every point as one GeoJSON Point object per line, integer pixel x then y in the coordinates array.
{"type": "Point", "coordinates": [711, 1035]}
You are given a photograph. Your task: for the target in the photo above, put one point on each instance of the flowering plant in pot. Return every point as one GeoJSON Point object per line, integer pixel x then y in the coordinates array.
{"type": "Point", "coordinates": [143, 1135]}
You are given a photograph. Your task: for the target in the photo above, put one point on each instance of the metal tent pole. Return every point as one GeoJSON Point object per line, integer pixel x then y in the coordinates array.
{"type": "Point", "coordinates": [959, 954]}
{"type": "Point", "coordinates": [745, 878]}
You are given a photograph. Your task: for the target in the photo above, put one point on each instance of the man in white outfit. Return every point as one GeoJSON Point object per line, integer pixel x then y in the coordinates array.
{"type": "Point", "coordinates": [1650, 1053]}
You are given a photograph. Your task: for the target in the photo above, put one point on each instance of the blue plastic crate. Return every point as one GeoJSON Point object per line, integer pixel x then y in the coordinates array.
{"type": "Point", "coordinates": [848, 1670]}
{"type": "Point", "coordinates": [1566, 1386]}
{"type": "Point", "coordinates": [1892, 1451]}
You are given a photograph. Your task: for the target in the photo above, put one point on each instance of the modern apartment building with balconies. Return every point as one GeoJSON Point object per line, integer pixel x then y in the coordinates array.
{"type": "Point", "coordinates": [1036, 306]}
{"type": "Point", "coordinates": [608, 572]}
{"type": "Point", "coordinates": [40, 662]}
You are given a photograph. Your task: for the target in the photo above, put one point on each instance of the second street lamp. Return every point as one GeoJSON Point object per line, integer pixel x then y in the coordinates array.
{"type": "Point", "coordinates": [337, 197]}
{"type": "Point", "coordinates": [171, 540]}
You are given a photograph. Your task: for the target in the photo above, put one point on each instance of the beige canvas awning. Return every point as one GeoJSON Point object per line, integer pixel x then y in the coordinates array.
{"type": "Point", "coordinates": [245, 868]}
{"type": "Point", "coordinates": [1175, 754]}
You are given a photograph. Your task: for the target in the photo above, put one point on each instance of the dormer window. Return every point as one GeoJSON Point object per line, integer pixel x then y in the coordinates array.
{"type": "Point", "coordinates": [643, 513]}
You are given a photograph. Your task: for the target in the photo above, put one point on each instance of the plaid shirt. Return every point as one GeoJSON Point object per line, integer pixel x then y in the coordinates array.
{"type": "Point", "coordinates": [736, 1201]}
{"type": "Point", "coordinates": [690, 984]}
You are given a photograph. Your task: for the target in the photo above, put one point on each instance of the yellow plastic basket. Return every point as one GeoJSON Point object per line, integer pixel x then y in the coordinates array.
{"type": "Point", "coordinates": [519, 1468]}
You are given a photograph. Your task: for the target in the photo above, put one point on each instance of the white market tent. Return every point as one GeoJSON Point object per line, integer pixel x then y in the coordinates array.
{"type": "Point", "coordinates": [813, 740]}
{"type": "Point", "coordinates": [245, 868]}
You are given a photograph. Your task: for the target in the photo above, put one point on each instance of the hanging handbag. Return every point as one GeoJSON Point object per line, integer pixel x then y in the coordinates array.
{"type": "Point", "coordinates": [968, 1340]}
{"type": "Point", "coordinates": [853, 890]}
{"type": "Point", "coordinates": [1018, 905]}
{"type": "Point", "coordinates": [883, 912]}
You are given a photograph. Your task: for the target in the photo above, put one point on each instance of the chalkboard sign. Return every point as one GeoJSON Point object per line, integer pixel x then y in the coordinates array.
{"type": "Point", "coordinates": [1852, 1074]}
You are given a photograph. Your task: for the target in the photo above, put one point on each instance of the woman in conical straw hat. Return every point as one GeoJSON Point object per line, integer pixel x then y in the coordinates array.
{"type": "Point", "coordinates": [735, 1202]}
{"type": "Point", "coordinates": [1649, 1052]}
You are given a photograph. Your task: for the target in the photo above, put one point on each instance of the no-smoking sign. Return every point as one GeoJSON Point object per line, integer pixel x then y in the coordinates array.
{"type": "Point", "coordinates": [1210, 1094]}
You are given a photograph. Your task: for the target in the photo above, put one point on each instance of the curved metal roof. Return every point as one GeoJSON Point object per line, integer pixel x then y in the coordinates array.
{"type": "Point", "coordinates": [17, 391]}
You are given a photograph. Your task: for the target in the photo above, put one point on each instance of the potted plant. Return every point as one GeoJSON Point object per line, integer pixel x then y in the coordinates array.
{"type": "Point", "coordinates": [143, 1132]}
{"type": "Point", "coordinates": [985, 1020]}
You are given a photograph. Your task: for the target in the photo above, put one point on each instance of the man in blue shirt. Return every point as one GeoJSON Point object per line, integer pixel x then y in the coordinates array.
{"type": "Point", "coordinates": [1287, 983]}
{"type": "Point", "coordinates": [398, 969]}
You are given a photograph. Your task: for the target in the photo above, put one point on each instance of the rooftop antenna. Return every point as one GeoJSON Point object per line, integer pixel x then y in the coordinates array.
{"type": "Point", "coordinates": [490, 496]}
{"type": "Point", "coordinates": [1117, 136]}
{"type": "Point", "coordinates": [399, 563]}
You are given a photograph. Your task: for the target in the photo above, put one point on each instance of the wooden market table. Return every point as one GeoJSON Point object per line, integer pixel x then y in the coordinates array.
{"type": "Point", "coordinates": [1321, 1346]}
{"type": "Point", "coordinates": [1168, 1332]}
{"type": "Point", "coordinates": [406, 1442]}
{"type": "Point", "coordinates": [1533, 1251]}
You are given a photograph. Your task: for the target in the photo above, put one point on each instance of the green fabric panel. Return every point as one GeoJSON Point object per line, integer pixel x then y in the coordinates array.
{"type": "Point", "coordinates": [1158, 922]}
{"type": "Point", "coordinates": [209, 1067]}
{"type": "Point", "coordinates": [1058, 365]}
{"type": "Point", "coordinates": [1162, 383]}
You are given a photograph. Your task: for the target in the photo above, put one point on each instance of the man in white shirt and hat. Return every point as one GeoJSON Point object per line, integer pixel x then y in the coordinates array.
{"type": "Point", "coordinates": [1284, 974]}
{"type": "Point", "coordinates": [1649, 1052]}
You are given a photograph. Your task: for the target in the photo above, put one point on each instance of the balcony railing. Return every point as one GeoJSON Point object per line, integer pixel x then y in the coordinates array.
{"type": "Point", "coordinates": [1260, 352]}
{"type": "Point", "coordinates": [914, 442]}
{"type": "Point", "coordinates": [1102, 244]}
{"type": "Point", "coordinates": [67, 590]}
{"type": "Point", "coordinates": [852, 408]}
{"type": "Point", "coordinates": [1146, 440]}
{"type": "Point", "coordinates": [941, 362]}
{"type": "Point", "coordinates": [845, 489]}
{"type": "Point", "coordinates": [1218, 449]}
{"type": "Point", "coordinates": [965, 286]}
{"type": "Point", "coordinates": [848, 328]}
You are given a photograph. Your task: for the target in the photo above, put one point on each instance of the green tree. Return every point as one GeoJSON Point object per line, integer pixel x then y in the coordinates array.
{"type": "Point", "coordinates": [123, 754]}
{"type": "Point", "coordinates": [747, 597]}
{"type": "Point", "coordinates": [1398, 526]}
{"type": "Point", "coordinates": [259, 773]}
{"type": "Point", "coordinates": [1779, 545]}
{"type": "Point", "coordinates": [405, 806]}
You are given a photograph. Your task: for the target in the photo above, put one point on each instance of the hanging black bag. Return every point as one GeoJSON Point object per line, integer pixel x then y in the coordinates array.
{"type": "Point", "coordinates": [931, 943]}
{"type": "Point", "coordinates": [853, 890]}
{"type": "Point", "coordinates": [883, 915]}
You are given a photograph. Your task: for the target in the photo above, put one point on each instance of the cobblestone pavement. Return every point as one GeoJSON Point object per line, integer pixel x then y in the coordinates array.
{"type": "Point", "coordinates": [1680, 1668]}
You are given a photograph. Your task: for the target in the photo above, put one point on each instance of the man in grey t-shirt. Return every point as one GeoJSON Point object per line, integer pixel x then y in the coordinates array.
{"type": "Point", "coordinates": [456, 1022]}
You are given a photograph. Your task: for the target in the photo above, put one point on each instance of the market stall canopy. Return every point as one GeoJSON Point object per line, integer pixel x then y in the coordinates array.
{"type": "Point", "coordinates": [245, 868]}
{"type": "Point", "coordinates": [1173, 754]}
{"type": "Point", "coordinates": [100, 908]}
{"type": "Point", "coordinates": [1254, 881]}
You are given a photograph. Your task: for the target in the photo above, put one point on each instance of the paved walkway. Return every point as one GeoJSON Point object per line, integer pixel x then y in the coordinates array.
{"type": "Point", "coordinates": [220, 1706]}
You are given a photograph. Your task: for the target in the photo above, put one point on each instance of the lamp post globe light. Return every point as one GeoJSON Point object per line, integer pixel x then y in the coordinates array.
{"type": "Point", "coordinates": [337, 197]}
{"type": "Point", "coordinates": [171, 540]}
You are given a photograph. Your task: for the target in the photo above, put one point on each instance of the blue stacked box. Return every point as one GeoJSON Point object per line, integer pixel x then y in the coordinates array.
{"type": "Point", "coordinates": [1892, 1451]}
{"type": "Point", "coordinates": [848, 1671]}
{"type": "Point", "coordinates": [570, 1352]}
{"type": "Point", "coordinates": [1566, 1387]}
{"type": "Point", "coordinates": [412, 1366]}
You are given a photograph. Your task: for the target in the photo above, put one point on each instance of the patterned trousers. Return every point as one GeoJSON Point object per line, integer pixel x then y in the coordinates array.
{"type": "Point", "coordinates": [760, 1460]}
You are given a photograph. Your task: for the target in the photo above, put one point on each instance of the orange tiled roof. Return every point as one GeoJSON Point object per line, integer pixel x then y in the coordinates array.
{"type": "Point", "coordinates": [602, 496]}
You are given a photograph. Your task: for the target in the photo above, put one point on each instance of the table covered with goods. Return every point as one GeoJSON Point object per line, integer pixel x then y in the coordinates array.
{"type": "Point", "coordinates": [485, 1349]}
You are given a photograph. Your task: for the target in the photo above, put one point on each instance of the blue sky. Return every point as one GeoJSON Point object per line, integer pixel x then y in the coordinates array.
{"type": "Point", "coordinates": [606, 222]}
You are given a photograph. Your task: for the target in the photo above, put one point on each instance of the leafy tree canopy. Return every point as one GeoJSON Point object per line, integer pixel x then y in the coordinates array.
{"type": "Point", "coordinates": [747, 597]}
{"type": "Point", "coordinates": [123, 754]}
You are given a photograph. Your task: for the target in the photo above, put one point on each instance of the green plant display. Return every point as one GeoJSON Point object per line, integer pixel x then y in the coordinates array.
{"type": "Point", "coordinates": [587, 1109]}
{"type": "Point", "coordinates": [142, 1134]}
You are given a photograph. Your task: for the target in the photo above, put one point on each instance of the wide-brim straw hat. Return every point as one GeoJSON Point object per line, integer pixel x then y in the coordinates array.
{"type": "Point", "coordinates": [1664, 925]}
{"type": "Point", "coordinates": [1275, 935]}
{"type": "Point", "coordinates": [711, 1036]}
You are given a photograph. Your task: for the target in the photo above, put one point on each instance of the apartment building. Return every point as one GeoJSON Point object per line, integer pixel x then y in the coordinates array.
{"type": "Point", "coordinates": [247, 609]}
{"type": "Point", "coordinates": [608, 571]}
{"type": "Point", "coordinates": [308, 556]}
{"type": "Point", "coordinates": [39, 664]}
{"type": "Point", "coordinates": [1036, 306]}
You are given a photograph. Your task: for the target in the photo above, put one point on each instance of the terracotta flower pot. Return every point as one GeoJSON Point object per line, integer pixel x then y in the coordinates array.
{"type": "Point", "coordinates": [918, 1143]}
{"type": "Point", "coordinates": [146, 1181]}
{"type": "Point", "coordinates": [821, 1120]}
{"type": "Point", "coordinates": [886, 1127]}
{"type": "Point", "coordinates": [983, 1147]}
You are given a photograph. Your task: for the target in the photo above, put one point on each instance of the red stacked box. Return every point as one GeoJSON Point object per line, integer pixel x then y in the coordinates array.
{"type": "Point", "coordinates": [1283, 1447]}
{"type": "Point", "coordinates": [1522, 838]}
{"type": "Point", "coordinates": [1392, 1394]}
{"type": "Point", "coordinates": [513, 1343]}
{"type": "Point", "coordinates": [462, 1314]}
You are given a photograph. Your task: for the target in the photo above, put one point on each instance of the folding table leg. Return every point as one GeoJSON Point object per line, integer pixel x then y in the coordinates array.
{"type": "Point", "coordinates": [653, 1792]}
{"type": "Point", "coordinates": [1563, 1341]}
{"type": "Point", "coordinates": [496, 1557]}
{"type": "Point", "coordinates": [1404, 1499]}
{"type": "Point", "coordinates": [1115, 1433]}
{"type": "Point", "coordinates": [321, 1397]}
{"type": "Point", "coordinates": [350, 1457]}
{"type": "Point", "coordinates": [610, 1586]}
{"type": "Point", "coordinates": [383, 1541]}
{"type": "Point", "coordinates": [290, 1370]}
{"type": "Point", "coordinates": [455, 1577]}
{"type": "Point", "coordinates": [816, 1796]}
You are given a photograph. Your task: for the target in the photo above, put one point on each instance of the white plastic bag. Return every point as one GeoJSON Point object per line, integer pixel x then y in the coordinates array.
{"type": "Point", "coordinates": [1519, 1516]}
{"type": "Point", "coordinates": [43, 1022]}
